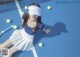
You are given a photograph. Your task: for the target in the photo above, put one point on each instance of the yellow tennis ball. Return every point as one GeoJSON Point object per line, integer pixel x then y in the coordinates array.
{"type": "Point", "coordinates": [8, 20]}
{"type": "Point", "coordinates": [26, 7]}
{"type": "Point", "coordinates": [15, 27]}
{"type": "Point", "coordinates": [22, 13]}
{"type": "Point", "coordinates": [49, 7]}
{"type": "Point", "coordinates": [41, 44]}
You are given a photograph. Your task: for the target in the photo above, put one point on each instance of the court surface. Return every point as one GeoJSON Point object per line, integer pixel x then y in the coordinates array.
{"type": "Point", "coordinates": [63, 19]}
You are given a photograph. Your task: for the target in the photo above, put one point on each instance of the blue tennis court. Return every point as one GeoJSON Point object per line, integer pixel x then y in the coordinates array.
{"type": "Point", "coordinates": [63, 19]}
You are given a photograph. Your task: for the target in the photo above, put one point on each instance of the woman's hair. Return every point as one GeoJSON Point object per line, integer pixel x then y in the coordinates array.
{"type": "Point", "coordinates": [27, 17]}
{"type": "Point", "coordinates": [35, 5]}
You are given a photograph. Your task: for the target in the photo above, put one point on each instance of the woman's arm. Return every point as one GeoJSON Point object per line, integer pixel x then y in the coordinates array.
{"type": "Point", "coordinates": [42, 27]}
{"type": "Point", "coordinates": [47, 31]}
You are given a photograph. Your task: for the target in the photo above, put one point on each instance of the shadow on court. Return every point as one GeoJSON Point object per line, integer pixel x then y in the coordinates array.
{"type": "Point", "coordinates": [56, 30]}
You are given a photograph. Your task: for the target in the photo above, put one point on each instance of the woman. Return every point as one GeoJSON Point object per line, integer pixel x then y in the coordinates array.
{"type": "Point", "coordinates": [22, 39]}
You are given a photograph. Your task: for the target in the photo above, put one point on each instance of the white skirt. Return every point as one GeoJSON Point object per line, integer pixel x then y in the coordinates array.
{"type": "Point", "coordinates": [22, 40]}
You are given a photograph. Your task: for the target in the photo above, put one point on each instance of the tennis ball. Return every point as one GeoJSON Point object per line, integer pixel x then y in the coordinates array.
{"type": "Point", "coordinates": [8, 20]}
{"type": "Point", "coordinates": [26, 7]}
{"type": "Point", "coordinates": [41, 44]}
{"type": "Point", "coordinates": [49, 7]}
{"type": "Point", "coordinates": [22, 13]}
{"type": "Point", "coordinates": [15, 27]}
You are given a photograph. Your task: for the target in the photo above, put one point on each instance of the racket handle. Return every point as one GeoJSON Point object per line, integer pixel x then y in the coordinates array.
{"type": "Point", "coordinates": [8, 28]}
{"type": "Point", "coordinates": [2, 32]}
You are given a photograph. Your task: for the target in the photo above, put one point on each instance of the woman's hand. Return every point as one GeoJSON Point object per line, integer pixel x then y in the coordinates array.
{"type": "Point", "coordinates": [47, 31]}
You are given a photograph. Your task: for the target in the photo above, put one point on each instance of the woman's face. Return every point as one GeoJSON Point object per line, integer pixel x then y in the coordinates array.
{"type": "Point", "coordinates": [33, 17]}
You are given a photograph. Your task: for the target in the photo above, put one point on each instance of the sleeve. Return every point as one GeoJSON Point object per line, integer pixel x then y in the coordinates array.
{"type": "Point", "coordinates": [41, 26]}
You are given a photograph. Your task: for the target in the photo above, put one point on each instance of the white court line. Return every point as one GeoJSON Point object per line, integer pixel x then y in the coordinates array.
{"type": "Point", "coordinates": [20, 12]}
{"type": "Point", "coordinates": [34, 52]}
{"type": "Point", "coordinates": [19, 8]}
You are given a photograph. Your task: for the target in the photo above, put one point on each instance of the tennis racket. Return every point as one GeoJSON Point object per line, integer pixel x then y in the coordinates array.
{"type": "Point", "coordinates": [2, 32]}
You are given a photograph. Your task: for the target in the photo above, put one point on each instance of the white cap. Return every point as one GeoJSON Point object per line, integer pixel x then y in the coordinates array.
{"type": "Point", "coordinates": [34, 10]}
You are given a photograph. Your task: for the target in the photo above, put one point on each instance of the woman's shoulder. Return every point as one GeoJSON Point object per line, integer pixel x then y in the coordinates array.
{"type": "Point", "coordinates": [41, 25]}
